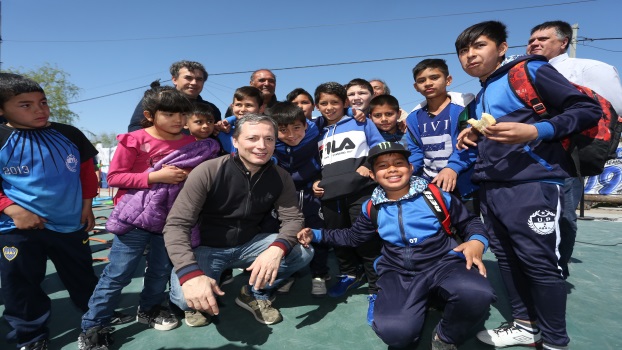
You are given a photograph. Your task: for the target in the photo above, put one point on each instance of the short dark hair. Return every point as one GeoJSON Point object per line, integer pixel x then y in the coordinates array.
{"type": "Point", "coordinates": [189, 65]}
{"type": "Point", "coordinates": [14, 84]}
{"type": "Point", "coordinates": [253, 118]}
{"type": "Point", "coordinates": [360, 82]}
{"type": "Point", "coordinates": [248, 92]}
{"type": "Point", "coordinates": [562, 29]}
{"type": "Point", "coordinates": [382, 100]}
{"type": "Point", "coordinates": [331, 88]}
{"type": "Point", "coordinates": [297, 92]}
{"type": "Point", "coordinates": [201, 108]}
{"type": "Point", "coordinates": [493, 30]}
{"type": "Point", "coordinates": [387, 91]}
{"type": "Point", "coordinates": [287, 113]}
{"type": "Point", "coordinates": [165, 99]}
{"type": "Point", "coordinates": [432, 63]}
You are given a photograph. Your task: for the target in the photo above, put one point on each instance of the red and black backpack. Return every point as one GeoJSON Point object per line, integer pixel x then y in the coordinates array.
{"type": "Point", "coordinates": [591, 148]}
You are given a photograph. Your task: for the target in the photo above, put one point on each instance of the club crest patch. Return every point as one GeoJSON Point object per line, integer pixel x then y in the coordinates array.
{"type": "Point", "coordinates": [542, 222]}
{"type": "Point", "coordinates": [9, 253]}
{"type": "Point", "coordinates": [72, 163]}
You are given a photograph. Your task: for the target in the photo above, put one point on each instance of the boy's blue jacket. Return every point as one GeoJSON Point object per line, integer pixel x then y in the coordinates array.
{"type": "Point", "coordinates": [543, 159]}
{"type": "Point", "coordinates": [456, 106]}
{"type": "Point", "coordinates": [303, 160]}
{"type": "Point", "coordinates": [343, 148]}
{"type": "Point", "coordinates": [413, 238]}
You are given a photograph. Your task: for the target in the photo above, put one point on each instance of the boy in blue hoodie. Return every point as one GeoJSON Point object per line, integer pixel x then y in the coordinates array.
{"type": "Point", "coordinates": [419, 259]}
{"type": "Point", "coordinates": [345, 183]}
{"type": "Point", "coordinates": [433, 128]}
{"type": "Point", "coordinates": [384, 111]}
{"type": "Point", "coordinates": [520, 168]}
{"type": "Point", "coordinates": [296, 151]}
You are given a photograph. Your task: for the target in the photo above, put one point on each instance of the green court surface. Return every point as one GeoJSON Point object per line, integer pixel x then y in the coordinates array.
{"type": "Point", "coordinates": [594, 313]}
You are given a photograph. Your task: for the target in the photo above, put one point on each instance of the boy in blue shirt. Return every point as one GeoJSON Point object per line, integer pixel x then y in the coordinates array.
{"type": "Point", "coordinates": [384, 111]}
{"type": "Point", "coordinates": [419, 259]}
{"type": "Point", "coordinates": [520, 168]}
{"type": "Point", "coordinates": [433, 128]}
{"type": "Point", "coordinates": [246, 99]}
{"type": "Point", "coordinates": [345, 183]}
{"type": "Point", "coordinates": [48, 184]}
{"type": "Point", "coordinates": [296, 151]}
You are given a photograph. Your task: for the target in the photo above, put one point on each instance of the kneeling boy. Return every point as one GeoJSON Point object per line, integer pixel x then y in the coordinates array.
{"type": "Point", "coordinates": [419, 260]}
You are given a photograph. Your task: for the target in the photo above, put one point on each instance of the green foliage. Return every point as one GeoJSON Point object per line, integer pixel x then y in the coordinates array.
{"type": "Point", "coordinates": [58, 89]}
{"type": "Point", "coordinates": [107, 139]}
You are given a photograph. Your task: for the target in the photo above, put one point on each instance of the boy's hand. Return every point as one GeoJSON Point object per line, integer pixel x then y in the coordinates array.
{"type": "Point", "coordinates": [401, 125]}
{"type": "Point", "coordinates": [363, 171]}
{"type": "Point", "coordinates": [473, 251]}
{"type": "Point", "coordinates": [511, 133]}
{"type": "Point", "coordinates": [467, 138]}
{"type": "Point", "coordinates": [317, 190]}
{"type": "Point", "coordinates": [305, 236]}
{"type": "Point", "coordinates": [168, 175]}
{"type": "Point", "coordinates": [222, 125]}
{"type": "Point", "coordinates": [24, 219]}
{"type": "Point", "coordinates": [358, 115]}
{"type": "Point", "coordinates": [87, 219]}
{"type": "Point", "coordinates": [446, 179]}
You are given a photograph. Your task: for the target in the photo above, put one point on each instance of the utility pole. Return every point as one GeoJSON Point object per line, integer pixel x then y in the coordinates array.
{"type": "Point", "coordinates": [573, 44]}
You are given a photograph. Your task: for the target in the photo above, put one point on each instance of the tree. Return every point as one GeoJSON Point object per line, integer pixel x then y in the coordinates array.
{"type": "Point", "coordinates": [58, 89]}
{"type": "Point", "coordinates": [107, 140]}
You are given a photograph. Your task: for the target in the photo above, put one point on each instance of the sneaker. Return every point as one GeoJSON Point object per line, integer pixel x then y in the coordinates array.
{"type": "Point", "coordinates": [38, 345]}
{"type": "Point", "coordinates": [344, 284]}
{"type": "Point", "coordinates": [159, 318]}
{"type": "Point", "coordinates": [318, 286]}
{"type": "Point", "coordinates": [226, 277]}
{"type": "Point", "coordinates": [370, 309]}
{"type": "Point", "coordinates": [509, 334]}
{"type": "Point", "coordinates": [195, 318]}
{"type": "Point", "coordinates": [286, 286]}
{"type": "Point", "coordinates": [438, 344]}
{"type": "Point", "coordinates": [96, 338]}
{"type": "Point", "coordinates": [120, 318]}
{"type": "Point", "coordinates": [553, 347]}
{"type": "Point", "coordinates": [261, 309]}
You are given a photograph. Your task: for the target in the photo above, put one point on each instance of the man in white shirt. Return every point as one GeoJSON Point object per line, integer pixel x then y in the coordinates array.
{"type": "Point", "coordinates": [551, 39]}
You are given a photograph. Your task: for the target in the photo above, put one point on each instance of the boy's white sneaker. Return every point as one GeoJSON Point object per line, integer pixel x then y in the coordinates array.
{"type": "Point", "coordinates": [510, 334]}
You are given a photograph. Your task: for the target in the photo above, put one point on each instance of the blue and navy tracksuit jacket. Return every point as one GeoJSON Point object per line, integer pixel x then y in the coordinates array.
{"type": "Point", "coordinates": [413, 238]}
{"type": "Point", "coordinates": [302, 162]}
{"type": "Point", "coordinates": [457, 105]}
{"type": "Point", "coordinates": [343, 148]}
{"type": "Point", "coordinates": [543, 159]}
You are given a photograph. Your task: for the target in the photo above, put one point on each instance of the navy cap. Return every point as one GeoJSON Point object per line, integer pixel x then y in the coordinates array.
{"type": "Point", "coordinates": [384, 148]}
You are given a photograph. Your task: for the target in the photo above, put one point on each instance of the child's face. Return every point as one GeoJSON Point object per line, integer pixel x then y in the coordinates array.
{"type": "Point", "coordinates": [432, 82]}
{"type": "Point", "coordinates": [359, 97]}
{"type": "Point", "coordinates": [242, 107]}
{"type": "Point", "coordinates": [29, 110]}
{"type": "Point", "coordinates": [392, 171]}
{"type": "Point", "coordinates": [385, 118]}
{"type": "Point", "coordinates": [304, 103]}
{"type": "Point", "coordinates": [331, 107]}
{"type": "Point", "coordinates": [482, 57]}
{"type": "Point", "coordinates": [292, 134]}
{"type": "Point", "coordinates": [167, 124]}
{"type": "Point", "coordinates": [200, 126]}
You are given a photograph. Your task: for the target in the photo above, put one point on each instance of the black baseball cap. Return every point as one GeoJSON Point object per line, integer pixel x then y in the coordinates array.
{"type": "Point", "coordinates": [384, 148]}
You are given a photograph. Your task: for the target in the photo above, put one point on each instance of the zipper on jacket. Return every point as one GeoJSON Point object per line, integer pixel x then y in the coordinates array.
{"type": "Point", "coordinates": [401, 224]}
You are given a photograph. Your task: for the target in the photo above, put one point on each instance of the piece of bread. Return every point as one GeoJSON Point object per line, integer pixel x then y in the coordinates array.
{"type": "Point", "coordinates": [487, 120]}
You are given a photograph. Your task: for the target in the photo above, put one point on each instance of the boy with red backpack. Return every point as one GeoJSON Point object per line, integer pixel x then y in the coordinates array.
{"type": "Point", "coordinates": [419, 258]}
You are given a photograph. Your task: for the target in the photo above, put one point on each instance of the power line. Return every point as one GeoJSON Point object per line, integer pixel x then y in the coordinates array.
{"type": "Point", "coordinates": [303, 27]}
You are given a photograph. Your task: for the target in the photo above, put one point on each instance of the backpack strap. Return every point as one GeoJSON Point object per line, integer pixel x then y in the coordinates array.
{"type": "Point", "coordinates": [372, 212]}
{"type": "Point", "coordinates": [434, 198]}
{"type": "Point", "coordinates": [522, 85]}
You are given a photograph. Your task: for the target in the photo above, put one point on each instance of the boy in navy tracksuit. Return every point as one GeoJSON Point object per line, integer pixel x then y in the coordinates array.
{"type": "Point", "coordinates": [433, 128]}
{"type": "Point", "coordinates": [345, 183]}
{"type": "Point", "coordinates": [296, 151]}
{"type": "Point", "coordinates": [521, 166]}
{"type": "Point", "coordinates": [384, 111]}
{"type": "Point", "coordinates": [419, 260]}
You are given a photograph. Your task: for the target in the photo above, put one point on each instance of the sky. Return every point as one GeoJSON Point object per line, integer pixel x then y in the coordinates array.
{"type": "Point", "coordinates": [113, 46]}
